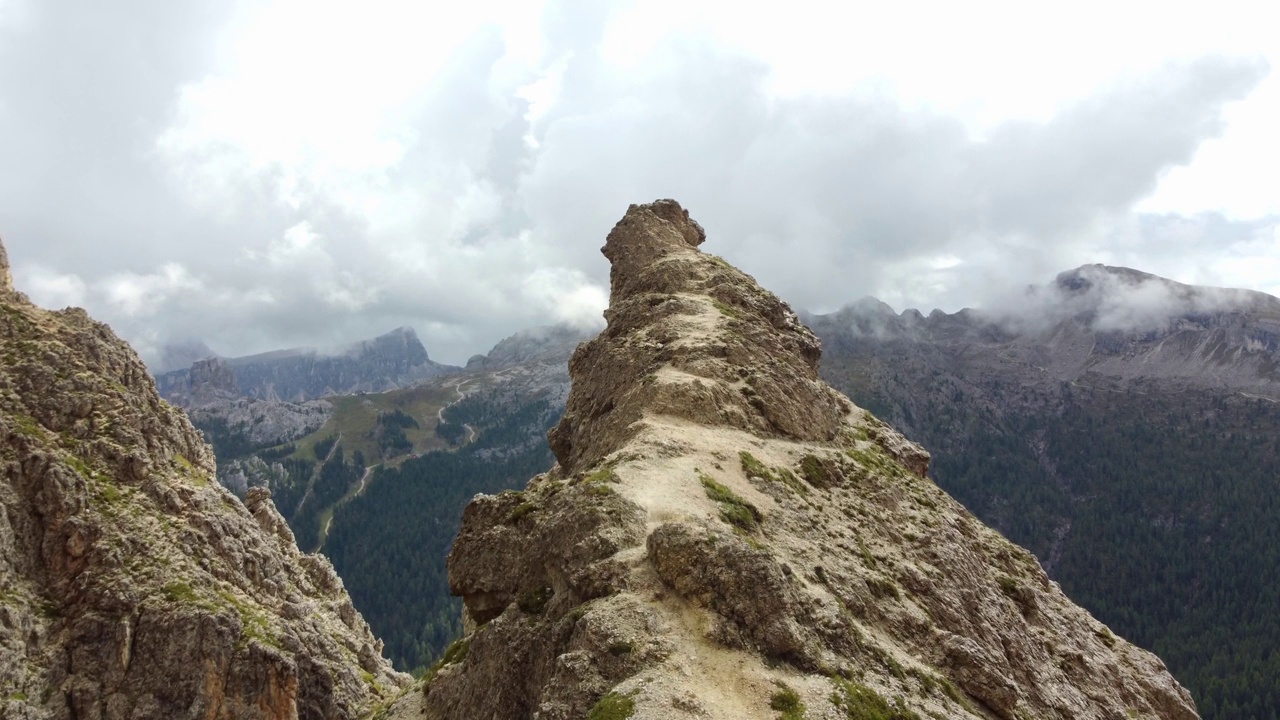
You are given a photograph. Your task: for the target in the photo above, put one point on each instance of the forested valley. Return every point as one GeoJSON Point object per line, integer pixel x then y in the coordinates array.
{"type": "Point", "coordinates": [390, 543]}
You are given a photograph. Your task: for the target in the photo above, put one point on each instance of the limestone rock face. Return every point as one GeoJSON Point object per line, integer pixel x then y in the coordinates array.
{"type": "Point", "coordinates": [131, 584]}
{"type": "Point", "coordinates": [724, 536]}
{"type": "Point", "coordinates": [553, 344]}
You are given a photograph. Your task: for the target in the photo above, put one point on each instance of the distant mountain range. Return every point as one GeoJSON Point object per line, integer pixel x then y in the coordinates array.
{"type": "Point", "coordinates": [1125, 428]}
{"type": "Point", "coordinates": [1115, 326]}
{"type": "Point", "coordinates": [387, 362]}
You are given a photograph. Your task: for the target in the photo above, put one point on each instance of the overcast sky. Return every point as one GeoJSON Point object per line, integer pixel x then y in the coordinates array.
{"type": "Point", "coordinates": [270, 174]}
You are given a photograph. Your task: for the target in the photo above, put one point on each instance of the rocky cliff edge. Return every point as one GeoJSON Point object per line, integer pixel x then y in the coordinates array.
{"type": "Point", "coordinates": [131, 584]}
{"type": "Point", "coordinates": [727, 537]}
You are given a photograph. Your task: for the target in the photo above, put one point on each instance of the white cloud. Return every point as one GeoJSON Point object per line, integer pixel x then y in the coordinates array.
{"type": "Point", "coordinates": [49, 288]}
{"type": "Point", "coordinates": [567, 296]}
{"type": "Point", "coordinates": [136, 295]}
{"type": "Point", "coordinates": [270, 174]}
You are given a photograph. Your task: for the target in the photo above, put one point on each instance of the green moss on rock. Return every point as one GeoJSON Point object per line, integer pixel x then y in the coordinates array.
{"type": "Point", "coordinates": [787, 701]}
{"type": "Point", "coordinates": [613, 706]}
{"type": "Point", "coordinates": [734, 509]}
{"type": "Point", "coordinates": [860, 702]}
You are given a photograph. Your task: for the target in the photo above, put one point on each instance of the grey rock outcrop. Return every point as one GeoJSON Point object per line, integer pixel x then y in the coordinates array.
{"type": "Point", "coordinates": [722, 527]}
{"type": "Point", "coordinates": [212, 380]}
{"type": "Point", "coordinates": [262, 422]}
{"type": "Point", "coordinates": [131, 584]}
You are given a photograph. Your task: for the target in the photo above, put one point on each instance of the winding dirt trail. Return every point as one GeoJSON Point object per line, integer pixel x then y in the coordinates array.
{"type": "Point", "coordinates": [368, 471]}
{"type": "Point", "coordinates": [357, 492]}
{"type": "Point", "coordinates": [457, 387]}
{"type": "Point", "coordinates": [311, 482]}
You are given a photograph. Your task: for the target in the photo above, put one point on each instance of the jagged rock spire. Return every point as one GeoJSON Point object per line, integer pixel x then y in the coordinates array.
{"type": "Point", "coordinates": [725, 534]}
{"type": "Point", "coordinates": [662, 354]}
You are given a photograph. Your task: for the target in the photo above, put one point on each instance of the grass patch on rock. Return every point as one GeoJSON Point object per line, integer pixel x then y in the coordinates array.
{"type": "Point", "coordinates": [613, 706]}
{"type": "Point", "coordinates": [860, 702]}
{"type": "Point", "coordinates": [754, 468]}
{"type": "Point", "coordinates": [454, 654]}
{"type": "Point", "coordinates": [180, 592]}
{"type": "Point", "coordinates": [734, 509]}
{"type": "Point", "coordinates": [817, 472]}
{"type": "Point", "coordinates": [787, 702]}
{"type": "Point", "coordinates": [725, 309]}
{"type": "Point", "coordinates": [521, 510]}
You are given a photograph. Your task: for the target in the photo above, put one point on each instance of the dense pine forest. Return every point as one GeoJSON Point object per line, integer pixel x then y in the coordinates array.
{"type": "Point", "coordinates": [1158, 511]}
{"type": "Point", "coordinates": [390, 543]}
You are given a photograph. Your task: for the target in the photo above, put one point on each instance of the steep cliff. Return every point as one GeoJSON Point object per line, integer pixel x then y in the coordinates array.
{"type": "Point", "coordinates": [131, 584]}
{"type": "Point", "coordinates": [725, 536]}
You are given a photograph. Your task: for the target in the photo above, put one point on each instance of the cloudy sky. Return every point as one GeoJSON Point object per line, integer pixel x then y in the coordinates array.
{"type": "Point", "coordinates": [289, 172]}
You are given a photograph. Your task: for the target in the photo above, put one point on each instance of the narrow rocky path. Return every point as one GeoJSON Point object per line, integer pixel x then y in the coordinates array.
{"type": "Point", "coordinates": [368, 471]}
{"type": "Point", "coordinates": [457, 387]}
{"type": "Point", "coordinates": [311, 481]}
{"type": "Point", "coordinates": [354, 493]}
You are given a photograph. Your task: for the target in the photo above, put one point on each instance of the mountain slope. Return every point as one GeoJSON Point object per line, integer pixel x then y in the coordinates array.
{"type": "Point", "coordinates": [133, 586]}
{"type": "Point", "coordinates": [725, 536]}
{"type": "Point", "coordinates": [1122, 427]}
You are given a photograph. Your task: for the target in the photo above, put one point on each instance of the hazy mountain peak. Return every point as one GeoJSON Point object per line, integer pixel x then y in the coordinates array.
{"type": "Point", "coordinates": [1085, 276]}
{"type": "Point", "coordinates": [547, 343]}
{"type": "Point", "coordinates": [392, 360]}
{"type": "Point", "coordinates": [181, 354]}
{"type": "Point", "coordinates": [1119, 299]}
{"type": "Point", "coordinates": [866, 305]}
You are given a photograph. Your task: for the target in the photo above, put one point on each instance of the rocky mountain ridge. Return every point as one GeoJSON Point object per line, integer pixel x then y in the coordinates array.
{"type": "Point", "coordinates": [725, 536]}
{"type": "Point", "coordinates": [394, 360]}
{"type": "Point", "coordinates": [1096, 324]}
{"type": "Point", "coordinates": [181, 355]}
{"type": "Point", "coordinates": [421, 453]}
{"type": "Point", "coordinates": [551, 344]}
{"type": "Point", "coordinates": [131, 584]}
